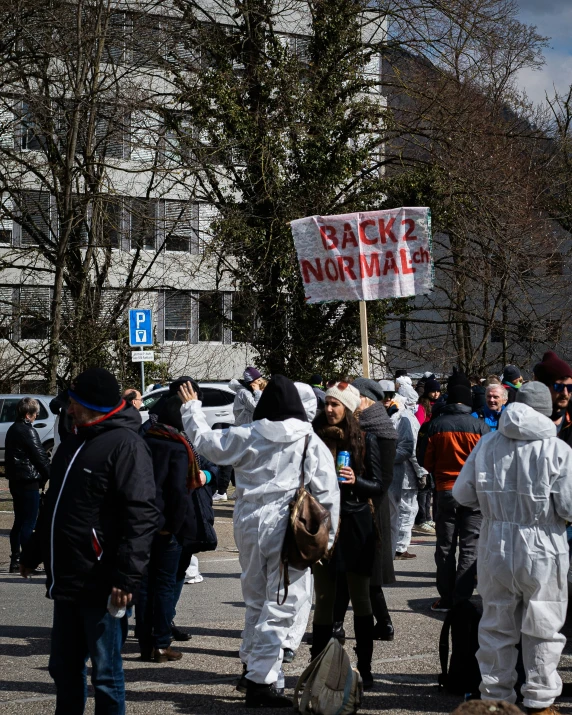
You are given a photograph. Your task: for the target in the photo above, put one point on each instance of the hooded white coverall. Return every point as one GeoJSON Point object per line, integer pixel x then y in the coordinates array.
{"type": "Point", "coordinates": [244, 403]}
{"type": "Point", "coordinates": [520, 477]}
{"type": "Point", "coordinates": [266, 457]}
{"type": "Point", "coordinates": [403, 505]}
{"type": "Point", "coordinates": [304, 587]}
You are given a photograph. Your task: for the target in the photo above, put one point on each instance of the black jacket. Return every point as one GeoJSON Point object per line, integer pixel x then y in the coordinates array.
{"type": "Point", "coordinates": [59, 406]}
{"type": "Point", "coordinates": [99, 518]}
{"type": "Point", "coordinates": [170, 468]}
{"type": "Point", "coordinates": [197, 533]}
{"type": "Point", "coordinates": [26, 459]}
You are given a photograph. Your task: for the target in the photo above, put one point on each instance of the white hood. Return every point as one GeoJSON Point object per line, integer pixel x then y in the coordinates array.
{"type": "Point", "coordinates": [404, 380]}
{"type": "Point", "coordinates": [409, 395]}
{"type": "Point", "coordinates": [290, 430]}
{"type": "Point", "coordinates": [308, 399]}
{"type": "Point", "coordinates": [235, 386]}
{"type": "Point", "coordinates": [520, 421]}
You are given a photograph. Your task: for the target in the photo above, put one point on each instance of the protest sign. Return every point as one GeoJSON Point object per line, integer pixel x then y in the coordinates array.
{"type": "Point", "coordinates": [365, 256]}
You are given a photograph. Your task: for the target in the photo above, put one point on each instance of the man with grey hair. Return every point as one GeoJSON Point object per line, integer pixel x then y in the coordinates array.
{"type": "Point", "coordinates": [519, 477]}
{"type": "Point", "coordinates": [27, 468]}
{"type": "Point", "coordinates": [496, 397]}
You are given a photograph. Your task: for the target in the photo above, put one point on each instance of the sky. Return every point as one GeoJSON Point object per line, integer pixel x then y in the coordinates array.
{"type": "Point", "coordinates": [553, 19]}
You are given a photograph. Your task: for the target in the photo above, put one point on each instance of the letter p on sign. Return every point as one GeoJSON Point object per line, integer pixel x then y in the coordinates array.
{"type": "Point", "coordinates": [140, 327]}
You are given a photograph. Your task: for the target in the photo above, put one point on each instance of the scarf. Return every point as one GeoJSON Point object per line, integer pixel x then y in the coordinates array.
{"type": "Point", "coordinates": [376, 420]}
{"type": "Point", "coordinates": [170, 433]}
{"type": "Point", "coordinates": [334, 438]}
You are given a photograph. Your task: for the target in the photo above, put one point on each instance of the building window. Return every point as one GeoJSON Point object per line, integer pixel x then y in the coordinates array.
{"type": "Point", "coordinates": [6, 208]}
{"type": "Point", "coordinates": [111, 214]}
{"type": "Point", "coordinates": [181, 226]}
{"type": "Point", "coordinates": [178, 316]}
{"type": "Point", "coordinates": [243, 318]}
{"type": "Point", "coordinates": [6, 312]}
{"type": "Point", "coordinates": [34, 312]}
{"type": "Point", "coordinates": [36, 218]}
{"type": "Point", "coordinates": [113, 132]}
{"type": "Point", "coordinates": [143, 224]}
{"type": "Point", "coordinates": [211, 317]}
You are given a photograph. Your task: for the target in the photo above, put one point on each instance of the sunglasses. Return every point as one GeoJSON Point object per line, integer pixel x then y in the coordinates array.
{"type": "Point", "coordinates": [560, 387]}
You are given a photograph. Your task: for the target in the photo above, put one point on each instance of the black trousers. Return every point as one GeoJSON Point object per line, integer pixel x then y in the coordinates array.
{"type": "Point", "coordinates": [457, 527]}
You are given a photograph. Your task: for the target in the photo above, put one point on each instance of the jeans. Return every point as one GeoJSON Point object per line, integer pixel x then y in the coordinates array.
{"type": "Point", "coordinates": [82, 632]}
{"type": "Point", "coordinates": [184, 563]}
{"type": "Point", "coordinates": [154, 610]}
{"type": "Point", "coordinates": [26, 506]}
{"type": "Point", "coordinates": [424, 498]}
{"type": "Point", "coordinates": [460, 526]}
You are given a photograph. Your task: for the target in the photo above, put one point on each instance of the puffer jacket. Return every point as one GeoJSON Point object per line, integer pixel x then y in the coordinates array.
{"type": "Point", "coordinates": [97, 524]}
{"type": "Point", "coordinates": [26, 460]}
{"type": "Point", "coordinates": [445, 443]}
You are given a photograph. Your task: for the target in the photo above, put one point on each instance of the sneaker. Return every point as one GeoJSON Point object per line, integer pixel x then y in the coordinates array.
{"type": "Point", "coordinates": [425, 528]}
{"type": "Point", "coordinates": [242, 682]}
{"type": "Point", "coordinates": [194, 579]}
{"type": "Point", "coordinates": [220, 497]}
{"type": "Point", "coordinates": [431, 523]}
{"type": "Point", "coordinates": [404, 556]}
{"type": "Point", "coordinates": [438, 608]}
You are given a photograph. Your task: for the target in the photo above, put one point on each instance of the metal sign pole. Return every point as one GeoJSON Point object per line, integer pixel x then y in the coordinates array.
{"type": "Point", "coordinates": [142, 374]}
{"type": "Point", "coordinates": [364, 338]}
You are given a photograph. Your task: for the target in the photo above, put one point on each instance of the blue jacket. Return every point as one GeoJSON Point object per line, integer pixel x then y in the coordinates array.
{"type": "Point", "coordinates": [491, 418]}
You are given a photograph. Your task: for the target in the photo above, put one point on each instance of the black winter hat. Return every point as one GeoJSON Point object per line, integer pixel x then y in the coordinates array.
{"type": "Point", "coordinates": [316, 380]}
{"type": "Point", "coordinates": [458, 378]}
{"type": "Point", "coordinates": [97, 389]}
{"type": "Point", "coordinates": [170, 412]}
{"type": "Point", "coordinates": [280, 401]}
{"type": "Point", "coordinates": [175, 386]}
{"type": "Point", "coordinates": [460, 393]}
{"type": "Point", "coordinates": [431, 386]}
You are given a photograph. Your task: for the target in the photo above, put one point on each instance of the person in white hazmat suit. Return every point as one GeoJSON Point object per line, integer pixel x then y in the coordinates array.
{"type": "Point", "coordinates": [520, 477]}
{"type": "Point", "coordinates": [302, 597]}
{"type": "Point", "coordinates": [247, 395]}
{"type": "Point", "coordinates": [267, 459]}
{"type": "Point", "coordinates": [402, 493]}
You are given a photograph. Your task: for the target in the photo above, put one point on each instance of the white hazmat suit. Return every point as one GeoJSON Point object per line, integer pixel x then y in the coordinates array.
{"type": "Point", "coordinates": [266, 457]}
{"type": "Point", "coordinates": [520, 477]}
{"type": "Point", "coordinates": [245, 402]}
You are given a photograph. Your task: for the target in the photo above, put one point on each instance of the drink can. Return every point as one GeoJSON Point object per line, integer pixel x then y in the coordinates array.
{"type": "Point", "coordinates": [342, 460]}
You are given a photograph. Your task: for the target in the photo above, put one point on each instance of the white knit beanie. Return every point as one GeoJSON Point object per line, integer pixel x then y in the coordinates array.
{"type": "Point", "coordinates": [346, 394]}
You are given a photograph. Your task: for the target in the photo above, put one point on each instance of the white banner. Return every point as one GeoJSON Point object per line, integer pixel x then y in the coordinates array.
{"type": "Point", "coordinates": [365, 256]}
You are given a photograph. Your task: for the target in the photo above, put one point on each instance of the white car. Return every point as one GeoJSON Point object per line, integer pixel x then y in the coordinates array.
{"type": "Point", "coordinates": [44, 422]}
{"type": "Point", "coordinates": [217, 402]}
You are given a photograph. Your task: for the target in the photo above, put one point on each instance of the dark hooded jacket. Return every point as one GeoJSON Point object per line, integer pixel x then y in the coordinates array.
{"type": "Point", "coordinates": [380, 449]}
{"type": "Point", "coordinates": [99, 518]}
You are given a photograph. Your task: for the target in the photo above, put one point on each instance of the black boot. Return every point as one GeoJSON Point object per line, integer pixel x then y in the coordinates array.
{"type": "Point", "coordinates": [14, 563]}
{"type": "Point", "coordinates": [339, 632]}
{"type": "Point", "coordinates": [320, 638]}
{"type": "Point", "coordinates": [383, 630]}
{"type": "Point", "coordinates": [260, 695]}
{"type": "Point", "coordinates": [363, 626]}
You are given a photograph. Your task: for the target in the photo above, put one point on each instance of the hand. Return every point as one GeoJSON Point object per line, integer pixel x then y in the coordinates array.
{"type": "Point", "coordinates": [186, 393]}
{"type": "Point", "coordinates": [25, 572]}
{"type": "Point", "coordinates": [347, 473]}
{"type": "Point", "coordinates": [203, 478]}
{"type": "Point", "coordinates": [255, 384]}
{"type": "Point", "coordinates": [422, 482]}
{"type": "Point", "coordinates": [120, 598]}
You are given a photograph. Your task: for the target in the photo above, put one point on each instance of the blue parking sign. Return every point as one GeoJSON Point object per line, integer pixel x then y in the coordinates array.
{"type": "Point", "coordinates": [140, 327]}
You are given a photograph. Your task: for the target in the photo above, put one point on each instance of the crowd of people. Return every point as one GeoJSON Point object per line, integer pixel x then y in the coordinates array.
{"type": "Point", "coordinates": [484, 464]}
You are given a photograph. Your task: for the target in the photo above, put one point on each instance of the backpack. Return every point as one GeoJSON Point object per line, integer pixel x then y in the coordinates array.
{"type": "Point", "coordinates": [329, 685]}
{"type": "Point", "coordinates": [460, 675]}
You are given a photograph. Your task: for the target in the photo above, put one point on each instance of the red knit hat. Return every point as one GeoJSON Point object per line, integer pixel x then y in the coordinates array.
{"type": "Point", "coordinates": [551, 368]}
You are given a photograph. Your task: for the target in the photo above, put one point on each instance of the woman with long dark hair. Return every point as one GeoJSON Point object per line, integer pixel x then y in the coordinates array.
{"type": "Point", "coordinates": [353, 554]}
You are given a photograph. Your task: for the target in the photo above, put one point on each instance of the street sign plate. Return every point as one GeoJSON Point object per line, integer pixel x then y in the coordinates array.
{"type": "Point", "coordinates": [140, 327]}
{"type": "Point", "coordinates": [142, 356]}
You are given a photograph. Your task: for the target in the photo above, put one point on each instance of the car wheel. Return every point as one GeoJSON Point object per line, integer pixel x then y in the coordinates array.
{"type": "Point", "coordinates": [49, 447]}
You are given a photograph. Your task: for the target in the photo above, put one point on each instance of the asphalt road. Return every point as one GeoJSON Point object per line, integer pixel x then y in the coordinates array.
{"type": "Point", "coordinates": [202, 682]}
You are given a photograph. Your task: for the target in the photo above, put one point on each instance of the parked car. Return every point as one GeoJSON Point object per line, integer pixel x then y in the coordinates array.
{"type": "Point", "coordinates": [44, 422]}
{"type": "Point", "coordinates": [217, 402]}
